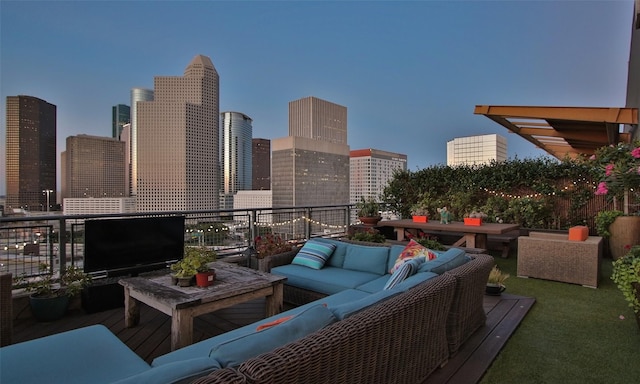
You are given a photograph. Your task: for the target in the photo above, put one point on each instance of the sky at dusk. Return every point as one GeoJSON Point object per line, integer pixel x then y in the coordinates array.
{"type": "Point", "coordinates": [409, 73]}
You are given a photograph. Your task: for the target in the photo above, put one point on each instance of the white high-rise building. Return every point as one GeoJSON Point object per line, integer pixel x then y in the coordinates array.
{"type": "Point", "coordinates": [371, 170]}
{"type": "Point", "coordinates": [472, 150]}
{"type": "Point", "coordinates": [177, 141]}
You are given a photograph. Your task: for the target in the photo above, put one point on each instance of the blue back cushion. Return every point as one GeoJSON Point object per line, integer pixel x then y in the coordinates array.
{"type": "Point", "coordinates": [452, 258]}
{"type": "Point", "coordinates": [337, 258]}
{"type": "Point", "coordinates": [233, 352]}
{"type": "Point", "coordinates": [366, 259]}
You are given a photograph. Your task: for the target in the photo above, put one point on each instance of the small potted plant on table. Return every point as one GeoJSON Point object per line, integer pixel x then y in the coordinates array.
{"type": "Point", "coordinates": [194, 267]}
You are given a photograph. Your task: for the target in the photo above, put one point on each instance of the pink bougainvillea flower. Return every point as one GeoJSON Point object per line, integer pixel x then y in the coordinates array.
{"type": "Point", "coordinates": [636, 153]}
{"type": "Point", "coordinates": [608, 169]}
{"type": "Point", "coordinates": [593, 157]}
{"type": "Point", "coordinates": [602, 188]}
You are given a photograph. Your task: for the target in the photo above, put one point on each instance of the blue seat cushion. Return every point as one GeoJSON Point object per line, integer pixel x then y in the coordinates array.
{"type": "Point", "coordinates": [347, 309]}
{"type": "Point", "coordinates": [97, 356]}
{"type": "Point", "coordinates": [367, 259]}
{"type": "Point", "coordinates": [452, 258]}
{"type": "Point", "coordinates": [233, 352]}
{"type": "Point", "coordinates": [328, 280]}
{"type": "Point", "coordinates": [374, 285]}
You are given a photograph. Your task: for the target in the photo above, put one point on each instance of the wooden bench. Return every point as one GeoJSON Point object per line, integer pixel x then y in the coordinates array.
{"type": "Point", "coordinates": [506, 240]}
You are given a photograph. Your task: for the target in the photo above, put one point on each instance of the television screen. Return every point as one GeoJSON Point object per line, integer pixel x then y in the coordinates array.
{"type": "Point", "coordinates": [132, 245]}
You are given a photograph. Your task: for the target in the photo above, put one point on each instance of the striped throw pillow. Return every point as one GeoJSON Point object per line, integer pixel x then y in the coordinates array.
{"type": "Point", "coordinates": [408, 268]}
{"type": "Point", "coordinates": [314, 254]}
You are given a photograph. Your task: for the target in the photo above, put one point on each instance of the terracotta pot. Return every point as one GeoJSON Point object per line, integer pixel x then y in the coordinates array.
{"type": "Point", "coordinates": [420, 219]}
{"type": "Point", "coordinates": [205, 279]}
{"type": "Point", "coordinates": [372, 221]}
{"type": "Point", "coordinates": [625, 230]}
{"type": "Point", "coordinates": [472, 221]}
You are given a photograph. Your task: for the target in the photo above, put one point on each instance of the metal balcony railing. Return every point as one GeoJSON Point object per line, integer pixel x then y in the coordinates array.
{"type": "Point", "coordinates": [58, 240]}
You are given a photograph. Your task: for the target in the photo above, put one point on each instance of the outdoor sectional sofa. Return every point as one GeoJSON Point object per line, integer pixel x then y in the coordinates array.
{"type": "Point", "coordinates": [354, 331]}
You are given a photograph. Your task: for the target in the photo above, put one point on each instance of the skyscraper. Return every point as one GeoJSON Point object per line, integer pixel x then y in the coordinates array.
{"type": "Point", "coordinates": [137, 94]}
{"type": "Point", "coordinates": [371, 170]}
{"type": "Point", "coordinates": [480, 149]}
{"type": "Point", "coordinates": [235, 155]}
{"type": "Point", "coordinates": [311, 165]}
{"type": "Point", "coordinates": [31, 153]}
{"type": "Point", "coordinates": [261, 168]}
{"type": "Point", "coordinates": [94, 167]}
{"type": "Point", "coordinates": [120, 115]}
{"type": "Point", "coordinates": [177, 141]}
{"type": "Point", "coordinates": [318, 119]}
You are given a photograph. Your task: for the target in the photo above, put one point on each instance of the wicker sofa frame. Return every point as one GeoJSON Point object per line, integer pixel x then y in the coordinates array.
{"type": "Point", "coordinates": [552, 256]}
{"type": "Point", "coordinates": [400, 340]}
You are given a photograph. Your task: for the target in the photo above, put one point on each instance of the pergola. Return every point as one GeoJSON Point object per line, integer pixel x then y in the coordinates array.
{"type": "Point", "coordinates": [564, 131]}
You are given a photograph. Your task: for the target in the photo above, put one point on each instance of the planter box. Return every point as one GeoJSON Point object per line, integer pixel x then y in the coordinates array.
{"type": "Point", "coordinates": [420, 219]}
{"type": "Point", "coordinates": [578, 233]}
{"type": "Point", "coordinates": [473, 221]}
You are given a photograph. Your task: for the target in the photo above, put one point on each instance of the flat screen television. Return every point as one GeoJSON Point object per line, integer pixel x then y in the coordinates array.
{"type": "Point", "coordinates": [132, 245]}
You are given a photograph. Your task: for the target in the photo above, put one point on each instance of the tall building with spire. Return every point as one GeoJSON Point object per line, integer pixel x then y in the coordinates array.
{"type": "Point", "coordinates": [30, 153]}
{"type": "Point", "coordinates": [177, 141]}
{"type": "Point", "coordinates": [235, 156]}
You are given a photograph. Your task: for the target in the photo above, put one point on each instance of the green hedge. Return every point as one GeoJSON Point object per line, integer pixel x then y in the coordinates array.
{"type": "Point", "coordinates": [536, 193]}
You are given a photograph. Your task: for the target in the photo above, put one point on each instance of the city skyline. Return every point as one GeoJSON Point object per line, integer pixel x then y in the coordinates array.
{"type": "Point", "coordinates": [410, 73]}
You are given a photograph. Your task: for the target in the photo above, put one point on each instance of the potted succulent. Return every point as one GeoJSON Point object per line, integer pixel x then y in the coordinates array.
{"type": "Point", "coordinates": [474, 218]}
{"type": "Point", "coordinates": [50, 296]}
{"type": "Point", "coordinates": [368, 211]}
{"type": "Point", "coordinates": [195, 262]}
{"type": "Point", "coordinates": [420, 213]}
{"type": "Point", "coordinates": [495, 282]}
{"type": "Point", "coordinates": [626, 275]}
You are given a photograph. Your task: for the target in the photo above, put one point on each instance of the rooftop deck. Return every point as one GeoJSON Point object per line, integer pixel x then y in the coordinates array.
{"type": "Point", "coordinates": [152, 337]}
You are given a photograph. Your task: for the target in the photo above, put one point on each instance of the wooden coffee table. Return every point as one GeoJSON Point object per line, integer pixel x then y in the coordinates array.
{"type": "Point", "coordinates": [233, 285]}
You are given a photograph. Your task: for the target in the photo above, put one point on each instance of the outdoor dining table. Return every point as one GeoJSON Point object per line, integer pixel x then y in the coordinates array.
{"type": "Point", "coordinates": [474, 236]}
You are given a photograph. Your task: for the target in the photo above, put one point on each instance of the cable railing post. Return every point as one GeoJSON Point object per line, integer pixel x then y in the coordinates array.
{"type": "Point", "coordinates": [62, 245]}
{"type": "Point", "coordinates": [307, 226]}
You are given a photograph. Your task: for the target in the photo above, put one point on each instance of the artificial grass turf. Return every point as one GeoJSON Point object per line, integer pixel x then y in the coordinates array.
{"type": "Point", "coordinates": [573, 334]}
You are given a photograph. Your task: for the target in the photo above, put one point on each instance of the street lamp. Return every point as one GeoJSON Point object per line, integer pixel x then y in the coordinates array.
{"type": "Point", "coordinates": [48, 192]}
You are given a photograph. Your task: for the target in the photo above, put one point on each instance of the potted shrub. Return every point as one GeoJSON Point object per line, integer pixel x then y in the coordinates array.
{"type": "Point", "coordinates": [50, 297]}
{"type": "Point", "coordinates": [268, 247]}
{"type": "Point", "coordinates": [617, 167]}
{"type": "Point", "coordinates": [495, 282]}
{"type": "Point", "coordinates": [368, 211]}
{"type": "Point", "coordinates": [626, 275]}
{"type": "Point", "coordinates": [369, 235]}
{"type": "Point", "coordinates": [431, 243]}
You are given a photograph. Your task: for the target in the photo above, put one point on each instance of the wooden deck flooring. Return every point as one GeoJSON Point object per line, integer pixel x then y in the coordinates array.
{"type": "Point", "coordinates": [152, 337]}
